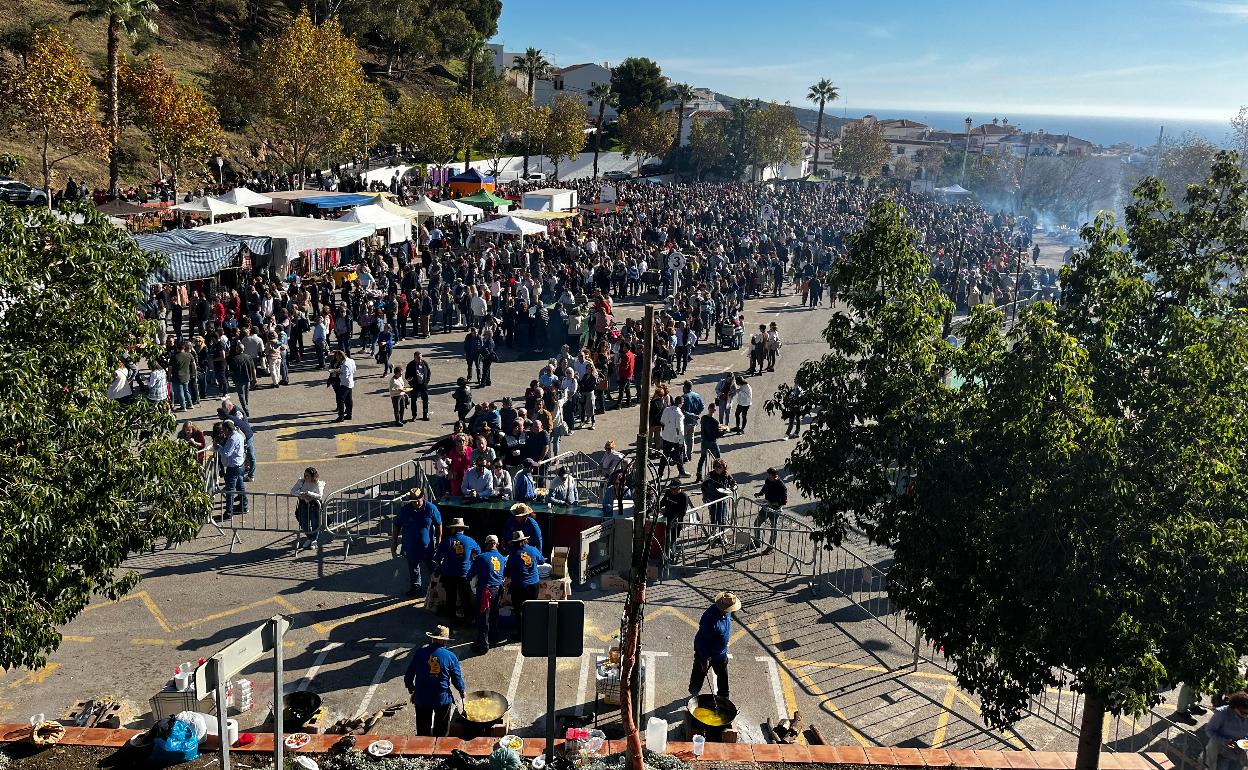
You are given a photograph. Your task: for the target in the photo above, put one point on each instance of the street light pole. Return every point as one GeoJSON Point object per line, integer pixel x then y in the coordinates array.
{"type": "Point", "coordinates": [966, 151]}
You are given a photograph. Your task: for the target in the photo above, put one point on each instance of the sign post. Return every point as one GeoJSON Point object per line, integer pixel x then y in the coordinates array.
{"type": "Point", "coordinates": [233, 658]}
{"type": "Point", "coordinates": [552, 630]}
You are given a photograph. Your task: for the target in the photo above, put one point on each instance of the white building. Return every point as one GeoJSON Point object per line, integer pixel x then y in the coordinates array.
{"type": "Point", "coordinates": [704, 106]}
{"type": "Point", "coordinates": [576, 80]}
{"type": "Point", "coordinates": [503, 61]}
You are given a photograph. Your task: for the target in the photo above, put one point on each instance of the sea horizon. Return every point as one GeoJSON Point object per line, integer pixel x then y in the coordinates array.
{"type": "Point", "coordinates": [1107, 131]}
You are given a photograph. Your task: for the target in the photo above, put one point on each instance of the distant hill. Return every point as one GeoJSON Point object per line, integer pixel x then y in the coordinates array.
{"type": "Point", "coordinates": [808, 118]}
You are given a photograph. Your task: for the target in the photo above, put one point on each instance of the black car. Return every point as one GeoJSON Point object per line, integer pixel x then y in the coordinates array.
{"type": "Point", "coordinates": [653, 168]}
{"type": "Point", "coordinates": [21, 194]}
{"type": "Point", "coordinates": [616, 176]}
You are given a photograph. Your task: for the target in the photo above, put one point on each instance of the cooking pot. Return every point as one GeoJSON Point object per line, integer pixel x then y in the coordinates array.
{"type": "Point", "coordinates": [719, 705]}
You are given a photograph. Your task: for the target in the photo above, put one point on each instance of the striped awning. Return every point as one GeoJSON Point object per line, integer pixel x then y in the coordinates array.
{"type": "Point", "coordinates": [195, 254]}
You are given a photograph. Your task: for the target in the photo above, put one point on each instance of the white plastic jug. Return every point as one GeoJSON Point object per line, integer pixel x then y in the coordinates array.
{"type": "Point", "coordinates": [656, 735]}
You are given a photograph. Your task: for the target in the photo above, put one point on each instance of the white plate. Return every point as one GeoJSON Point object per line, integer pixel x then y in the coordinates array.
{"type": "Point", "coordinates": [297, 741]}
{"type": "Point", "coordinates": [513, 742]}
{"type": "Point", "coordinates": [1242, 743]}
{"type": "Point", "coordinates": [380, 748]}
{"type": "Point", "coordinates": [307, 763]}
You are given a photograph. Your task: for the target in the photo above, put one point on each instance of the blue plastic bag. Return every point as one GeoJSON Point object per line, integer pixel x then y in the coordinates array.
{"type": "Point", "coordinates": [179, 746]}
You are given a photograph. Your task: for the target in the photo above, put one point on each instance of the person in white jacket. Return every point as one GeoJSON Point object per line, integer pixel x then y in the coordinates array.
{"type": "Point", "coordinates": [745, 397]}
{"type": "Point", "coordinates": [310, 489]}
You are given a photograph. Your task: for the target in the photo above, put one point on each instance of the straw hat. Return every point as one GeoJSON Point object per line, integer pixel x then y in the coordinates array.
{"type": "Point", "coordinates": [439, 634]}
{"type": "Point", "coordinates": [457, 524]}
{"type": "Point", "coordinates": [520, 509]}
{"type": "Point", "coordinates": [518, 537]}
{"type": "Point", "coordinates": [727, 602]}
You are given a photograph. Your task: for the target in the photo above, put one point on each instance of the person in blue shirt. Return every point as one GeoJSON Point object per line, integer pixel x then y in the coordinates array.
{"type": "Point", "coordinates": [431, 673]}
{"type": "Point", "coordinates": [1227, 726]}
{"type": "Point", "coordinates": [710, 644]}
{"type": "Point", "coordinates": [420, 523]}
{"type": "Point", "coordinates": [523, 521]}
{"type": "Point", "coordinates": [523, 489]}
{"type": "Point", "coordinates": [691, 405]}
{"type": "Point", "coordinates": [487, 570]}
{"type": "Point", "coordinates": [455, 558]}
{"type": "Point", "coordinates": [232, 453]}
{"type": "Point", "coordinates": [521, 569]}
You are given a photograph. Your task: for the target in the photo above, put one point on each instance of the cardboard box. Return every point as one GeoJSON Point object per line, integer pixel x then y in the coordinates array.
{"type": "Point", "coordinates": [559, 562]}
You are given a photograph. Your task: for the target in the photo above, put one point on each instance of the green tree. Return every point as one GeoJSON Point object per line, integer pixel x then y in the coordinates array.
{"type": "Point", "coordinates": [506, 107]}
{"type": "Point", "coordinates": [87, 480]}
{"type": "Point", "coordinates": [644, 133]}
{"type": "Point", "coordinates": [603, 94]}
{"type": "Point", "coordinates": [708, 145]}
{"type": "Point", "coordinates": [1091, 462]}
{"type": "Point", "coordinates": [821, 93]}
{"type": "Point", "coordinates": [424, 124]}
{"type": "Point", "coordinates": [565, 130]}
{"type": "Point", "coordinates": [638, 82]}
{"type": "Point", "coordinates": [682, 94]}
{"type": "Point", "coordinates": [741, 113]}
{"type": "Point", "coordinates": [863, 149]}
{"type": "Point", "coordinates": [774, 136]}
{"type": "Point", "coordinates": [316, 100]}
{"type": "Point", "coordinates": [534, 67]}
{"type": "Point", "coordinates": [129, 18]}
{"type": "Point", "coordinates": [470, 122]}
{"type": "Point", "coordinates": [49, 98]}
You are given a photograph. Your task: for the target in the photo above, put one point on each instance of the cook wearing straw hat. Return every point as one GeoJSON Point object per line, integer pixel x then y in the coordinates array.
{"type": "Point", "coordinates": [488, 572]}
{"type": "Point", "coordinates": [430, 674]}
{"type": "Point", "coordinates": [455, 558]}
{"type": "Point", "coordinates": [710, 644]}
{"type": "Point", "coordinates": [522, 569]}
{"type": "Point", "coordinates": [523, 521]}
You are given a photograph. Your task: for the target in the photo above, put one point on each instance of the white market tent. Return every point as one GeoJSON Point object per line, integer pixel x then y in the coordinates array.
{"type": "Point", "coordinates": [510, 226]}
{"type": "Point", "coordinates": [953, 189]}
{"type": "Point", "coordinates": [465, 209]}
{"type": "Point", "coordinates": [397, 229]}
{"type": "Point", "coordinates": [241, 196]}
{"type": "Point", "coordinates": [292, 235]}
{"type": "Point", "coordinates": [212, 207]}
{"type": "Point", "coordinates": [427, 208]}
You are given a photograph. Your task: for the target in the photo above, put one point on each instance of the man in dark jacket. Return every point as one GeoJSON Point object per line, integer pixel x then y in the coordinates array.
{"type": "Point", "coordinates": [418, 374]}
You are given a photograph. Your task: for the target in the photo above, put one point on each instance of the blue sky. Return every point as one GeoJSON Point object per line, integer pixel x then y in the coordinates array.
{"type": "Point", "coordinates": [1128, 58]}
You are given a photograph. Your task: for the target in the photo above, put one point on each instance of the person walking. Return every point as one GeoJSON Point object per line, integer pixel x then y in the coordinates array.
{"type": "Point", "coordinates": [420, 523]}
{"type": "Point", "coordinates": [710, 644]}
{"type": "Point", "coordinates": [455, 557]}
{"type": "Point", "coordinates": [243, 372]}
{"type": "Point", "coordinates": [344, 387]}
{"type": "Point", "coordinates": [745, 398]}
{"type": "Point", "coordinates": [398, 390]}
{"type": "Point", "coordinates": [310, 489]}
{"type": "Point", "coordinates": [712, 431]}
{"type": "Point", "coordinates": [672, 434]}
{"type": "Point", "coordinates": [431, 673]}
{"type": "Point", "coordinates": [626, 364]}
{"type": "Point", "coordinates": [185, 371]}
{"type": "Point", "coordinates": [488, 572]}
{"type": "Point", "coordinates": [320, 339]}
{"type": "Point", "coordinates": [725, 392]}
{"type": "Point", "coordinates": [692, 405]}
{"type": "Point", "coordinates": [717, 490]}
{"type": "Point", "coordinates": [418, 374]}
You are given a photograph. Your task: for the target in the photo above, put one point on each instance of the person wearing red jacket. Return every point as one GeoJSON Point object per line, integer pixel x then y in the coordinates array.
{"type": "Point", "coordinates": [627, 365]}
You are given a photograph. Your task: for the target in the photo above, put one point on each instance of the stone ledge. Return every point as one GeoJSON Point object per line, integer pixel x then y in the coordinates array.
{"type": "Point", "coordinates": [722, 752]}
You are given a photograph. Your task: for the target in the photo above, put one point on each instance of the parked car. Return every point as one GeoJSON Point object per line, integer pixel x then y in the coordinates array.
{"type": "Point", "coordinates": [535, 176]}
{"type": "Point", "coordinates": [616, 176]}
{"type": "Point", "coordinates": [21, 194]}
{"type": "Point", "coordinates": [652, 168]}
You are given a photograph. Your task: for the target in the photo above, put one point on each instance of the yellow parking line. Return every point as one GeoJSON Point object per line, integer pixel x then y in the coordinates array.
{"type": "Point", "coordinates": [325, 628]}
{"type": "Point", "coordinates": [942, 722]}
{"type": "Point", "coordinates": [287, 447]}
{"type": "Point", "coordinates": [71, 638]}
{"type": "Point", "coordinates": [158, 642]}
{"type": "Point", "coordinates": [836, 712]}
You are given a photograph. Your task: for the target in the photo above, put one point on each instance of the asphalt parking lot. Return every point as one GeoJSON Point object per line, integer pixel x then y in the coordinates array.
{"type": "Point", "coordinates": [797, 644]}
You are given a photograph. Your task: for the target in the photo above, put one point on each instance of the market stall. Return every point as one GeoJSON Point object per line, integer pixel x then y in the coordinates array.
{"type": "Point", "coordinates": [397, 229]}
{"type": "Point", "coordinates": [292, 236]}
{"type": "Point", "coordinates": [195, 254]}
{"type": "Point", "coordinates": [510, 225]}
{"type": "Point", "coordinates": [211, 208]}
{"type": "Point", "coordinates": [424, 208]}
{"type": "Point", "coordinates": [339, 200]}
{"type": "Point", "coordinates": [241, 196]}
{"type": "Point", "coordinates": [469, 182]}
{"type": "Point", "coordinates": [464, 210]}
{"type": "Point", "coordinates": [382, 200]}
{"type": "Point", "coordinates": [486, 199]}
{"type": "Point", "coordinates": [550, 199]}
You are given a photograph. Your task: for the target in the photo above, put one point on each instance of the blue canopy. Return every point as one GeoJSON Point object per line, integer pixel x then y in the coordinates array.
{"type": "Point", "coordinates": [345, 200]}
{"type": "Point", "coordinates": [472, 175]}
{"type": "Point", "coordinates": [194, 254]}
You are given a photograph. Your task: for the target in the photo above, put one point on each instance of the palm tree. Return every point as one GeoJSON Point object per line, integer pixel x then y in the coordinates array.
{"type": "Point", "coordinates": [605, 96]}
{"type": "Point", "coordinates": [124, 16]}
{"type": "Point", "coordinates": [821, 92]}
{"type": "Point", "coordinates": [682, 93]}
{"type": "Point", "coordinates": [533, 66]}
{"type": "Point", "coordinates": [473, 43]}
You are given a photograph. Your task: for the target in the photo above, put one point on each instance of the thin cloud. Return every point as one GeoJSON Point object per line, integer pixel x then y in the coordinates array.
{"type": "Point", "coordinates": [1235, 10]}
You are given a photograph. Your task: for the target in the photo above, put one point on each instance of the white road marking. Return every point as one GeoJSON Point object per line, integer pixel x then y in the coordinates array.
{"type": "Point", "coordinates": [514, 685]}
{"type": "Point", "coordinates": [651, 683]}
{"type": "Point", "coordinates": [773, 673]}
{"type": "Point", "coordinates": [306, 682]}
{"type": "Point", "coordinates": [582, 686]}
{"type": "Point", "coordinates": [386, 657]}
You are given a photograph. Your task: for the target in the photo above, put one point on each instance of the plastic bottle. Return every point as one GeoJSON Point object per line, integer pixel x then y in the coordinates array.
{"type": "Point", "coordinates": [656, 735]}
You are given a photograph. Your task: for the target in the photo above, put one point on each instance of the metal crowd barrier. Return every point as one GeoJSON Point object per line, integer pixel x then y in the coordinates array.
{"type": "Point", "coordinates": [266, 512]}
{"type": "Point", "coordinates": [365, 509]}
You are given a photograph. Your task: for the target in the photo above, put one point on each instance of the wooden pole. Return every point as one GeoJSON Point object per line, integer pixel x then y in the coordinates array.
{"type": "Point", "coordinates": [630, 700]}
